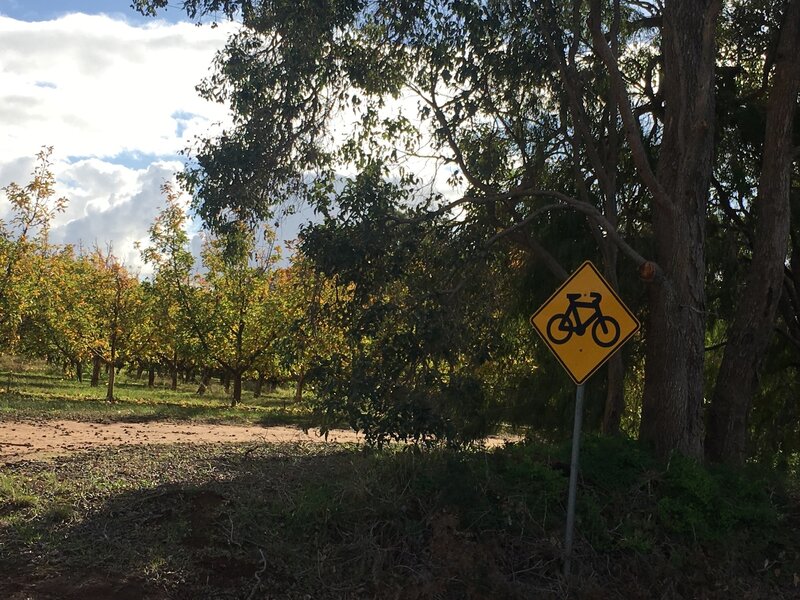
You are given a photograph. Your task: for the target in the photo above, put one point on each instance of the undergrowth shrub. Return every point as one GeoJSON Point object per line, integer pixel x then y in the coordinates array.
{"type": "Point", "coordinates": [711, 503]}
{"type": "Point", "coordinates": [628, 500]}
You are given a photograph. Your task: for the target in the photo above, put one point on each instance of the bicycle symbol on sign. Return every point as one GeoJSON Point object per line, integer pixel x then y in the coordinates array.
{"type": "Point", "coordinates": [561, 326]}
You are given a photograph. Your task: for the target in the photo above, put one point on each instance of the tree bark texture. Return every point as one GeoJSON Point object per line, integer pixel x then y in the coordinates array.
{"type": "Point", "coordinates": [151, 375]}
{"type": "Point", "coordinates": [672, 408]}
{"type": "Point", "coordinates": [749, 334]}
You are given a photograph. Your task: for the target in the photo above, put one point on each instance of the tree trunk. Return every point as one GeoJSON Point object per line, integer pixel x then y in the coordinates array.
{"type": "Point", "coordinates": [298, 390]}
{"type": "Point", "coordinates": [226, 382]}
{"type": "Point", "coordinates": [615, 369]}
{"type": "Point", "coordinates": [96, 364]}
{"type": "Point", "coordinates": [79, 370]}
{"type": "Point", "coordinates": [205, 381]}
{"type": "Point", "coordinates": [139, 371]}
{"type": "Point", "coordinates": [750, 332]}
{"type": "Point", "coordinates": [672, 408]}
{"type": "Point", "coordinates": [615, 395]}
{"type": "Point", "coordinates": [173, 371]}
{"type": "Point", "coordinates": [259, 385]}
{"type": "Point", "coordinates": [151, 375]}
{"type": "Point", "coordinates": [112, 371]}
{"type": "Point", "coordinates": [236, 398]}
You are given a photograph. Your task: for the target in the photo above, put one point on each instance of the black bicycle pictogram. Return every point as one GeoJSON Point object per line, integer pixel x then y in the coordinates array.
{"type": "Point", "coordinates": [561, 326]}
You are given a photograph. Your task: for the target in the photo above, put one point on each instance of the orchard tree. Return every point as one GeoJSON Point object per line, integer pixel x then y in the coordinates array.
{"type": "Point", "coordinates": [23, 238]}
{"type": "Point", "coordinates": [115, 308]}
{"type": "Point", "coordinates": [311, 301]}
{"type": "Point", "coordinates": [242, 315]}
{"type": "Point", "coordinates": [173, 282]}
{"type": "Point", "coordinates": [60, 323]}
{"type": "Point", "coordinates": [232, 309]}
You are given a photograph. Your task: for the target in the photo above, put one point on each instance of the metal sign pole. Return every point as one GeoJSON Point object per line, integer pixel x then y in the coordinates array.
{"type": "Point", "coordinates": [573, 479]}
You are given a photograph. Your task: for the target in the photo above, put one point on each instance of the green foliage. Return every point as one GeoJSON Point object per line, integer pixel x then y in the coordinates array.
{"type": "Point", "coordinates": [614, 463]}
{"type": "Point", "coordinates": [711, 504]}
{"type": "Point", "coordinates": [424, 347]}
{"type": "Point", "coordinates": [23, 245]}
{"type": "Point", "coordinates": [629, 501]}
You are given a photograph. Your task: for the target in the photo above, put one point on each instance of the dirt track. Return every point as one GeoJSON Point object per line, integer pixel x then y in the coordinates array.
{"type": "Point", "coordinates": [32, 440]}
{"type": "Point", "coordinates": [24, 440]}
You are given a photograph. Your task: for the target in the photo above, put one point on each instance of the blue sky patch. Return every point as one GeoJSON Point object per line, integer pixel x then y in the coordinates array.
{"type": "Point", "coordinates": [45, 10]}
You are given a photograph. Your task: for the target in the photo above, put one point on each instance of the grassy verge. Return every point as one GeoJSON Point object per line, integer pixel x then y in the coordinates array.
{"type": "Point", "coordinates": [37, 395]}
{"type": "Point", "coordinates": [256, 521]}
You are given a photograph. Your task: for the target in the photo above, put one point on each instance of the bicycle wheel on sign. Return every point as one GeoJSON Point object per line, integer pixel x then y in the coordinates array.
{"type": "Point", "coordinates": [605, 331]}
{"type": "Point", "coordinates": [559, 329]}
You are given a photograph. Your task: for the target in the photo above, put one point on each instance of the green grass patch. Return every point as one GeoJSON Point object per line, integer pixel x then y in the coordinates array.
{"type": "Point", "coordinates": [40, 395]}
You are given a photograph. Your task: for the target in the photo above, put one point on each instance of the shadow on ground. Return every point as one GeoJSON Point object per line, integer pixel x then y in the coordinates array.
{"type": "Point", "coordinates": [297, 521]}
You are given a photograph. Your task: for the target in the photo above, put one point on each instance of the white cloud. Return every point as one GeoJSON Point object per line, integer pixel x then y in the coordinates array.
{"type": "Point", "coordinates": [112, 207]}
{"type": "Point", "coordinates": [95, 86]}
{"type": "Point", "coordinates": [120, 100]}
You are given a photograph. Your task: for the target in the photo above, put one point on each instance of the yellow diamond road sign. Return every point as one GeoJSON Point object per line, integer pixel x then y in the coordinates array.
{"type": "Point", "coordinates": [584, 322]}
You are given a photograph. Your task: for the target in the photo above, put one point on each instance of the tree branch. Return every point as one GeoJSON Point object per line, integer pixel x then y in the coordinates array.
{"type": "Point", "coordinates": [630, 123]}
{"type": "Point", "coordinates": [448, 133]}
{"type": "Point", "coordinates": [583, 208]}
{"type": "Point", "coordinates": [569, 78]}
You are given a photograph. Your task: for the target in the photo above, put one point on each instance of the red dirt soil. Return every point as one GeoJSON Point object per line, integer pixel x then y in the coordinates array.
{"type": "Point", "coordinates": [34, 440]}
{"type": "Point", "coordinates": [26, 440]}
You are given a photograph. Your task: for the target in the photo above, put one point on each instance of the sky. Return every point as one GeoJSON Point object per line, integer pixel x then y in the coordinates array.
{"type": "Point", "coordinates": [114, 94]}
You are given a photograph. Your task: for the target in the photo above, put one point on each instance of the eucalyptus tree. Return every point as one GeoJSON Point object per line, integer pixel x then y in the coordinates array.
{"type": "Point", "coordinates": [606, 110]}
{"type": "Point", "coordinates": [765, 84]}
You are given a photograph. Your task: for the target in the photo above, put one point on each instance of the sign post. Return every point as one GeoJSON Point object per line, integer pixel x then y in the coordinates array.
{"type": "Point", "coordinates": [583, 323]}
{"type": "Point", "coordinates": [573, 479]}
